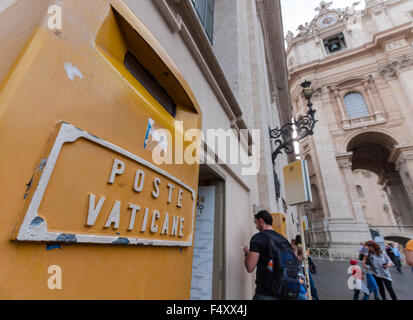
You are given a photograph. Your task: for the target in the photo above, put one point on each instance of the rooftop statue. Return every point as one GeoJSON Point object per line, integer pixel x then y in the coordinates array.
{"type": "Point", "coordinates": [324, 6]}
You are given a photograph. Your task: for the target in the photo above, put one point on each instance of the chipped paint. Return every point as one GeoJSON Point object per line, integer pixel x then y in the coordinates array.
{"type": "Point", "coordinates": [157, 137]}
{"type": "Point", "coordinates": [36, 221]}
{"type": "Point", "coordinates": [72, 71]}
{"type": "Point", "coordinates": [42, 164]}
{"type": "Point", "coordinates": [121, 241]}
{"type": "Point", "coordinates": [29, 185]}
{"type": "Point", "coordinates": [64, 237]}
{"type": "Point", "coordinates": [51, 246]}
{"type": "Point", "coordinates": [148, 132]}
{"type": "Point", "coordinates": [40, 232]}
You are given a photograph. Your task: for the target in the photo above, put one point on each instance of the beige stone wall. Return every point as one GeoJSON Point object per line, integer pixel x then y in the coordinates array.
{"type": "Point", "coordinates": [373, 199]}
{"type": "Point", "coordinates": [239, 59]}
{"type": "Point", "coordinates": [4, 4]}
{"type": "Point", "coordinates": [377, 63]}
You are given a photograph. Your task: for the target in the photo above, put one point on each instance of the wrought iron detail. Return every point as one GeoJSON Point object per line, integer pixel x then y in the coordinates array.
{"type": "Point", "coordinates": [304, 127]}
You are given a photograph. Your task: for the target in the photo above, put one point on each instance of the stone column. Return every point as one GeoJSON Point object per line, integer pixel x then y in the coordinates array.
{"type": "Point", "coordinates": [325, 150]}
{"type": "Point", "coordinates": [389, 213]}
{"type": "Point", "coordinates": [344, 161]}
{"type": "Point", "coordinates": [341, 229]}
{"type": "Point", "coordinates": [402, 157]}
{"type": "Point", "coordinates": [405, 80]}
{"type": "Point", "coordinates": [398, 74]}
{"type": "Point", "coordinates": [377, 101]}
{"type": "Point", "coordinates": [344, 119]}
{"type": "Point", "coordinates": [399, 200]}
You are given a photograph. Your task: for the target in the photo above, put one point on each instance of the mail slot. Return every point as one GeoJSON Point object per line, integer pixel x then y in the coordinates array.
{"type": "Point", "coordinates": [80, 188]}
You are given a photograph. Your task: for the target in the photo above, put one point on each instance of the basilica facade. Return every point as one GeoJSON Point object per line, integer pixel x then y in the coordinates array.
{"type": "Point", "coordinates": [361, 155]}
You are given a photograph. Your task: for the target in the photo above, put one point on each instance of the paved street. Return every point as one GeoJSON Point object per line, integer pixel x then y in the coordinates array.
{"type": "Point", "coordinates": [331, 281]}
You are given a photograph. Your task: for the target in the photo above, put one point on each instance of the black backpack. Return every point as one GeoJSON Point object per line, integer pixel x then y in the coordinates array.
{"type": "Point", "coordinates": [281, 277]}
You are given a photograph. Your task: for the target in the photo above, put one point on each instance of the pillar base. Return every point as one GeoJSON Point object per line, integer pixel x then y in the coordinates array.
{"type": "Point", "coordinates": [341, 237]}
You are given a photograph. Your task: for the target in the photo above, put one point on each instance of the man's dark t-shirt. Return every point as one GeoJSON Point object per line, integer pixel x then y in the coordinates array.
{"type": "Point", "coordinates": [259, 243]}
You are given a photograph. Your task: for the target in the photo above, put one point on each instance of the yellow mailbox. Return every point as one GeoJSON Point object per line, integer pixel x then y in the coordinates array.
{"type": "Point", "coordinates": [279, 223]}
{"type": "Point", "coordinates": [80, 190]}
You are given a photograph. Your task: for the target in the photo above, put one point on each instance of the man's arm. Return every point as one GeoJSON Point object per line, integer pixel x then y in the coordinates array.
{"type": "Point", "coordinates": [251, 261]}
{"type": "Point", "coordinates": [252, 254]}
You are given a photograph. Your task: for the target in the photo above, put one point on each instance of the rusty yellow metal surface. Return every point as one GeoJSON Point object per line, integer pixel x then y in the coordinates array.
{"type": "Point", "coordinates": [57, 84]}
{"type": "Point", "coordinates": [296, 181]}
{"type": "Point", "coordinates": [279, 223]}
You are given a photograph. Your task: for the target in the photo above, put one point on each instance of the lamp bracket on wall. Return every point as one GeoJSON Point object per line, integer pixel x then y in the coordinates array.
{"type": "Point", "coordinates": [302, 126]}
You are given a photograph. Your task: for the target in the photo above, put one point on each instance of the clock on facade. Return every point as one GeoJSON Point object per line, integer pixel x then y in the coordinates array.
{"type": "Point", "coordinates": [327, 20]}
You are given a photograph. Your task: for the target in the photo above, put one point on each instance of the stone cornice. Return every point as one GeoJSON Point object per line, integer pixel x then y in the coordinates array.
{"type": "Point", "coordinates": [312, 28]}
{"type": "Point", "coordinates": [181, 17]}
{"type": "Point", "coordinates": [377, 44]}
{"type": "Point", "coordinates": [344, 19]}
{"type": "Point", "coordinates": [401, 152]}
{"type": "Point", "coordinates": [392, 70]}
{"type": "Point", "coordinates": [344, 160]}
{"type": "Point", "coordinates": [269, 12]}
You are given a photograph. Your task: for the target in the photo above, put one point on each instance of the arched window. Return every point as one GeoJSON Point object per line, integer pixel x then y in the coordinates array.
{"type": "Point", "coordinates": [310, 165]}
{"type": "Point", "coordinates": [316, 197]}
{"type": "Point", "coordinates": [360, 191]}
{"type": "Point", "coordinates": [355, 105]}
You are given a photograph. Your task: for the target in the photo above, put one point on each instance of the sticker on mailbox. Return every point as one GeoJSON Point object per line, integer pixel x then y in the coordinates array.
{"type": "Point", "coordinates": [91, 191]}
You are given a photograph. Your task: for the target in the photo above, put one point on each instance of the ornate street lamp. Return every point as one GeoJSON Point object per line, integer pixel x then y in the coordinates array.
{"type": "Point", "coordinates": [304, 126]}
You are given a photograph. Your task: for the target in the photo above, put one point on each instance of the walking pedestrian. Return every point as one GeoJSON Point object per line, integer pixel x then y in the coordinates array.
{"type": "Point", "coordinates": [389, 251]}
{"type": "Point", "coordinates": [303, 295]}
{"type": "Point", "coordinates": [397, 258]}
{"type": "Point", "coordinates": [371, 281]}
{"type": "Point", "coordinates": [363, 251]}
{"type": "Point", "coordinates": [271, 273]}
{"type": "Point", "coordinates": [311, 264]}
{"type": "Point", "coordinates": [380, 264]}
{"type": "Point", "coordinates": [314, 292]}
{"type": "Point", "coordinates": [297, 241]}
{"type": "Point", "coordinates": [312, 270]}
{"type": "Point", "coordinates": [362, 288]}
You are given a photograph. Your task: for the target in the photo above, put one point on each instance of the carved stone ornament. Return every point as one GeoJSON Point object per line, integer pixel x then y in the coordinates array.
{"type": "Point", "coordinates": [344, 160]}
{"type": "Point", "coordinates": [345, 164]}
{"type": "Point", "coordinates": [403, 159]}
{"type": "Point", "coordinates": [395, 66]}
{"type": "Point", "coordinates": [327, 17]}
{"type": "Point", "coordinates": [324, 6]}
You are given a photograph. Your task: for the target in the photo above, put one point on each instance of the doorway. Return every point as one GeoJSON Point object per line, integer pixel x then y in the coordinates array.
{"type": "Point", "coordinates": [208, 265]}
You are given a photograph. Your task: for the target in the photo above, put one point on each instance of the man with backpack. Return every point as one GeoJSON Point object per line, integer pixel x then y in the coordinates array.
{"type": "Point", "coordinates": [276, 263]}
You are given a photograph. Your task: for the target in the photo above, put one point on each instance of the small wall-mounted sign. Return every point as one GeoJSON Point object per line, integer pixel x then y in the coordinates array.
{"type": "Point", "coordinates": [297, 183]}
{"type": "Point", "coordinates": [88, 190]}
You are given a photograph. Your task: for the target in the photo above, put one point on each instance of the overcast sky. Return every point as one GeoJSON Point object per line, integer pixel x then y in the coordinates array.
{"type": "Point", "coordinates": [296, 12]}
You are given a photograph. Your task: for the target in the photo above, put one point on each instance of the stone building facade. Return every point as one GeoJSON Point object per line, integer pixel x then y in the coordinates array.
{"type": "Point", "coordinates": [361, 155]}
{"type": "Point", "coordinates": [232, 55]}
